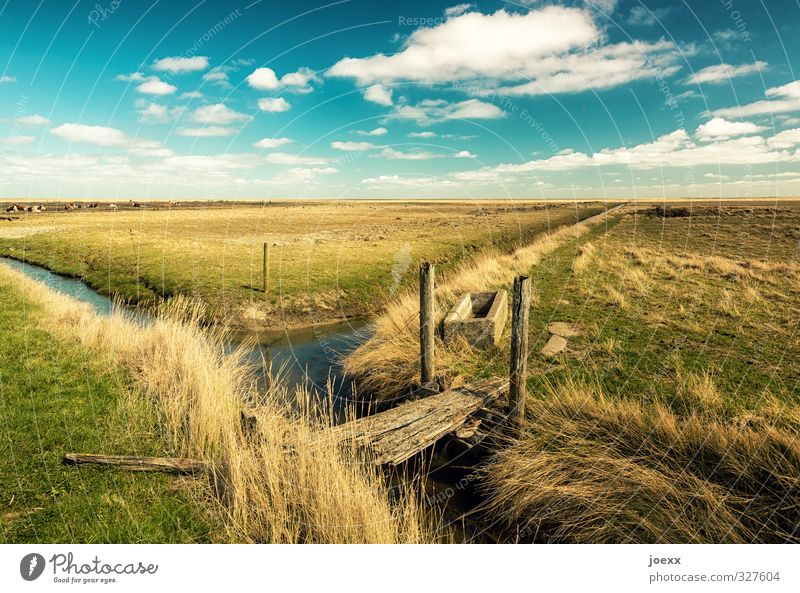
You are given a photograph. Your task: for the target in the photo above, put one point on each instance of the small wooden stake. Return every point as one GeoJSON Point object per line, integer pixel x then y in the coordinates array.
{"type": "Point", "coordinates": [266, 269]}
{"type": "Point", "coordinates": [519, 349]}
{"type": "Point", "coordinates": [427, 320]}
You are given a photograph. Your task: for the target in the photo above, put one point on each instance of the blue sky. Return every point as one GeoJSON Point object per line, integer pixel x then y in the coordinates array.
{"type": "Point", "coordinates": [363, 99]}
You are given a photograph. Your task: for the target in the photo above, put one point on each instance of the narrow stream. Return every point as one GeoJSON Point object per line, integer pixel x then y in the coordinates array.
{"type": "Point", "coordinates": [309, 357]}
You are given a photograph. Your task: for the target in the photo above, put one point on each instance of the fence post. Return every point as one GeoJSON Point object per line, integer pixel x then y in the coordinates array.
{"type": "Point", "coordinates": [427, 320]}
{"type": "Point", "coordinates": [266, 269]}
{"type": "Point", "coordinates": [519, 349]}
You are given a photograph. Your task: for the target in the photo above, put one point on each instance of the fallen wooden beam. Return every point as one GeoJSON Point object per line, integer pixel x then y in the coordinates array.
{"type": "Point", "coordinates": [396, 435]}
{"type": "Point", "coordinates": [175, 465]}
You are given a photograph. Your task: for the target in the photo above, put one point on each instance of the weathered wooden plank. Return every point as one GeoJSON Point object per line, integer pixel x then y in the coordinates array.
{"type": "Point", "coordinates": [518, 371]}
{"type": "Point", "coordinates": [139, 464]}
{"type": "Point", "coordinates": [396, 435]}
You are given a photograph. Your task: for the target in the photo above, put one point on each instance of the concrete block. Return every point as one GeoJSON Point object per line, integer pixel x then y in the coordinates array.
{"type": "Point", "coordinates": [480, 317]}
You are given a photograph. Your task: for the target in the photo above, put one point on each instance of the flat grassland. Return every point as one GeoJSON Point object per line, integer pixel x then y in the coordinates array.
{"type": "Point", "coordinates": [328, 260]}
{"type": "Point", "coordinates": [674, 414]}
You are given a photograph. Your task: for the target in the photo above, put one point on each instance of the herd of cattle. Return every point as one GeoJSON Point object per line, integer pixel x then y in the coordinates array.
{"type": "Point", "coordinates": [73, 206]}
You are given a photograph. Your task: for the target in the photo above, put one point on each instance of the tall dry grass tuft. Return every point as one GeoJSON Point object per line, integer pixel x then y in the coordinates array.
{"type": "Point", "coordinates": [584, 258]}
{"type": "Point", "coordinates": [591, 469]}
{"type": "Point", "coordinates": [388, 363]}
{"type": "Point", "coordinates": [272, 482]}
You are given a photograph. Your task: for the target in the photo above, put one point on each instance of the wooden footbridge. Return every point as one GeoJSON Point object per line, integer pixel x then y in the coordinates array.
{"type": "Point", "coordinates": [393, 436]}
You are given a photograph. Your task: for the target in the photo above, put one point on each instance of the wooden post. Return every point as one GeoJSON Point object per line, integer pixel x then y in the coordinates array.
{"type": "Point", "coordinates": [427, 320]}
{"type": "Point", "coordinates": [519, 349]}
{"type": "Point", "coordinates": [266, 269]}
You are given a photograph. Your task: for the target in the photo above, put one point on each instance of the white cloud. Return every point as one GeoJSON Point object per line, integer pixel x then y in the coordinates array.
{"type": "Point", "coordinates": [293, 176]}
{"type": "Point", "coordinates": [603, 67]}
{"type": "Point", "coordinates": [375, 132]}
{"type": "Point", "coordinates": [5, 79]}
{"type": "Point", "coordinates": [192, 95]}
{"type": "Point", "coordinates": [646, 17]}
{"type": "Point", "coordinates": [607, 6]}
{"type": "Point", "coordinates": [178, 65]}
{"type": "Point", "coordinates": [719, 127]}
{"type": "Point", "coordinates": [206, 132]}
{"type": "Point", "coordinates": [464, 154]}
{"type": "Point", "coordinates": [132, 77]}
{"type": "Point", "coordinates": [546, 50]}
{"type": "Point", "coordinates": [785, 139]}
{"type": "Point", "coordinates": [98, 135]}
{"type": "Point", "coordinates": [353, 146]}
{"type": "Point", "coordinates": [154, 113]}
{"type": "Point", "coordinates": [723, 72]}
{"type": "Point", "coordinates": [412, 155]}
{"type": "Point", "coordinates": [379, 94]}
{"type": "Point", "coordinates": [155, 86]}
{"type": "Point", "coordinates": [263, 79]}
{"type": "Point", "coordinates": [217, 114]}
{"type": "Point", "coordinates": [32, 120]}
{"type": "Point", "coordinates": [451, 51]}
{"type": "Point", "coordinates": [109, 137]}
{"type": "Point", "coordinates": [274, 104]}
{"type": "Point", "coordinates": [150, 85]}
{"type": "Point", "coordinates": [17, 140]}
{"type": "Point", "coordinates": [676, 149]}
{"type": "Point", "coordinates": [415, 182]}
{"type": "Point", "coordinates": [435, 110]}
{"type": "Point", "coordinates": [148, 148]}
{"type": "Point", "coordinates": [272, 142]}
{"type": "Point", "coordinates": [282, 158]}
{"type": "Point", "coordinates": [300, 81]}
{"type": "Point", "coordinates": [211, 164]}
{"type": "Point", "coordinates": [781, 99]}
{"type": "Point", "coordinates": [457, 10]}
{"type": "Point", "coordinates": [218, 77]}
{"type": "Point", "coordinates": [422, 134]}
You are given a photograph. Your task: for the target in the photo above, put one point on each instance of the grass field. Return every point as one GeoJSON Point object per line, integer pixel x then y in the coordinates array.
{"type": "Point", "coordinates": [88, 383]}
{"type": "Point", "coordinates": [327, 259]}
{"type": "Point", "coordinates": [671, 416]}
{"type": "Point", "coordinates": [57, 398]}
{"type": "Point", "coordinates": [674, 416]}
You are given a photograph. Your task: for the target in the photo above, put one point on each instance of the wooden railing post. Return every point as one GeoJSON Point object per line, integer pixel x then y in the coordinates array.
{"type": "Point", "coordinates": [266, 269]}
{"type": "Point", "coordinates": [519, 349]}
{"type": "Point", "coordinates": [427, 321]}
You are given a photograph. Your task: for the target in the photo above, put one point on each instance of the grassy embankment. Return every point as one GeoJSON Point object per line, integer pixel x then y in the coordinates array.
{"type": "Point", "coordinates": [674, 417]}
{"type": "Point", "coordinates": [57, 398]}
{"type": "Point", "coordinates": [327, 260]}
{"type": "Point", "coordinates": [272, 483]}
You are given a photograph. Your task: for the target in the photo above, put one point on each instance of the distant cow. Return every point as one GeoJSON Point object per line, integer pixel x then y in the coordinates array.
{"type": "Point", "coordinates": [112, 206]}
{"type": "Point", "coordinates": [93, 205]}
{"type": "Point", "coordinates": [12, 208]}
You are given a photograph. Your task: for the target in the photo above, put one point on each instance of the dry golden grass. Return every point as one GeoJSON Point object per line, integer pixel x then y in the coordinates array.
{"type": "Point", "coordinates": [327, 259]}
{"type": "Point", "coordinates": [271, 485]}
{"type": "Point", "coordinates": [592, 469]}
{"type": "Point", "coordinates": [388, 363]}
{"type": "Point", "coordinates": [583, 260]}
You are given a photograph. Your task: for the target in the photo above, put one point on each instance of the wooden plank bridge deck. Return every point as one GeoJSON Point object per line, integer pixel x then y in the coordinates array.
{"type": "Point", "coordinates": [399, 433]}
